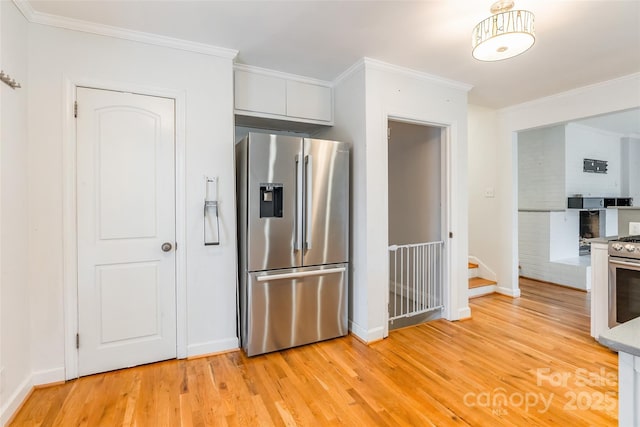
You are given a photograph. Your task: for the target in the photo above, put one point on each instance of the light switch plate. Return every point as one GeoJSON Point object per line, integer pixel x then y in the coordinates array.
{"type": "Point", "coordinates": [634, 228]}
{"type": "Point", "coordinates": [489, 192]}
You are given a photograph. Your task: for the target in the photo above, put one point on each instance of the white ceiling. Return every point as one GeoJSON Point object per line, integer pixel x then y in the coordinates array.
{"type": "Point", "coordinates": [578, 42]}
{"type": "Point", "coordinates": [625, 123]}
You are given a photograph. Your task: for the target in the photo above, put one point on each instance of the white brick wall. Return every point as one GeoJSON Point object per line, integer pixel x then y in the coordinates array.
{"type": "Point", "coordinates": [541, 169]}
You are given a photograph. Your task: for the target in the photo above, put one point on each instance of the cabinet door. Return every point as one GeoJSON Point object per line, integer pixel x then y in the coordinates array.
{"type": "Point", "coordinates": [260, 93]}
{"type": "Point", "coordinates": [308, 101]}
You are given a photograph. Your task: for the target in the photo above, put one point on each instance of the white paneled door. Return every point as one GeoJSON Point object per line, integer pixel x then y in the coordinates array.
{"type": "Point", "coordinates": [126, 230]}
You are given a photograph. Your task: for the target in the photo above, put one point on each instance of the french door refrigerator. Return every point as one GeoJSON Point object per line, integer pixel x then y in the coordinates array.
{"type": "Point", "coordinates": [293, 240]}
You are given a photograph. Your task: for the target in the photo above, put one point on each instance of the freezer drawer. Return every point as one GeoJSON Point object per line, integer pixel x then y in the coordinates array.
{"type": "Point", "coordinates": [288, 308]}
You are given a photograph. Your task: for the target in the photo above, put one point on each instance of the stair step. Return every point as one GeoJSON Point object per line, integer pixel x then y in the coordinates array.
{"type": "Point", "coordinates": [478, 282]}
{"type": "Point", "coordinates": [472, 265]}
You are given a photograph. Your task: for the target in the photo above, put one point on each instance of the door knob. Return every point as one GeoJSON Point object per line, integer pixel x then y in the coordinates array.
{"type": "Point", "coordinates": [166, 247]}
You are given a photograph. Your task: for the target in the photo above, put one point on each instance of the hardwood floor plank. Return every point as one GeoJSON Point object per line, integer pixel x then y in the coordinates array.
{"type": "Point", "coordinates": [516, 362]}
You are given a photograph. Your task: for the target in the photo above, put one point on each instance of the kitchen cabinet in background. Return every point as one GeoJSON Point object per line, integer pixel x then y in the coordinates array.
{"type": "Point", "coordinates": [269, 99]}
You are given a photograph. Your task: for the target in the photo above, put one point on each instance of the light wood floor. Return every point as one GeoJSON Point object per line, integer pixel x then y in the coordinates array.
{"type": "Point", "coordinates": [494, 369]}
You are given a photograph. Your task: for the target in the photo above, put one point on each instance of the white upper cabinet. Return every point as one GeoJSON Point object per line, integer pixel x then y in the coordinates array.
{"type": "Point", "coordinates": [271, 95]}
{"type": "Point", "coordinates": [260, 93]}
{"type": "Point", "coordinates": [308, 101]}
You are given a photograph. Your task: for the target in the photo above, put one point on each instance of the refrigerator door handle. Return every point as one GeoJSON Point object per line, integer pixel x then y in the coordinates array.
{"type": "Point", "coordinates": [309, 195]}
{"type": "Point", "coordinates": [298, 274]}
{"type": "Point", "coordinates": [297, 244]}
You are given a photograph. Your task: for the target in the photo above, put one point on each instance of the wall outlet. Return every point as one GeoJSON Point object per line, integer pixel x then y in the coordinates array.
{"type": "Point", "coordinates": [634, 228]}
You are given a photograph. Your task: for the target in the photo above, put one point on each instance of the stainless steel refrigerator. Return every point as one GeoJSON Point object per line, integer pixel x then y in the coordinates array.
{"type": "Point", "coordinates": [293, 240]}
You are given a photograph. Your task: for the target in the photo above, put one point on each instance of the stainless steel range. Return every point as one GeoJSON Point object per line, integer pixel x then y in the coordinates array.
{"type": "Point", "coordinates": [625, 247]}
{"type": "Point", "coordinates": [624, 280]}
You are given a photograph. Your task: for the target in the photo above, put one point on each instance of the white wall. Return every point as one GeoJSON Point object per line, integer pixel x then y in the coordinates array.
{"type": "Point", "coordinates": [484, 194]}
{"type": "Point", "coordinates": [613, 95]}
{"type": "Point", "coordinates": [588, 143]}
{"type": "Point", "coordinates": [541, 169]}
{"type": "Point", "coordinates": [58, 57]}
{"type": "Point", "coordinates": [414, 184]}
{"type": "Point", "coordinates": [393, 92]}
{"type": "Point", "coordinates": [15, 349]}
{"type": "Point", "coordinates": [631, 171]}
{"type": "Point", "coordinates": [350, 126]}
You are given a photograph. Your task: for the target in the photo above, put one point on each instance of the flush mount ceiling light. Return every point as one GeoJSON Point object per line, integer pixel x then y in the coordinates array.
{"type": "Point", "coordinates": [503, 35]}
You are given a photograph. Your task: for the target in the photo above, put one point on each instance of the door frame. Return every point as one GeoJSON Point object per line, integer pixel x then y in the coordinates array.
{"type": "Point", "coordinates": [69, 210]}
{"type": "Point", "coordinates": [448, 223]}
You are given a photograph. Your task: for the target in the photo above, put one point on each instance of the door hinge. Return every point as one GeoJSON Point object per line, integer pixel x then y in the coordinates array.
{"type": "Point", "coordinates": [77, 340]}
{"type": "Point", "coordinates": [75, 109]}
{"type": "Point", "coordinates": [451, 234]}
{"type": "Point", "coordinates": [175, 246]}
{"type": "Point", "coordinates": [388, 133]}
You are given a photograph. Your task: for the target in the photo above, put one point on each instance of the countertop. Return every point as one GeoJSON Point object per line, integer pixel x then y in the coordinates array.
{"type": "Point", "coordinates": [606, 239]}
{"type": "Point", "coordinates": [625, 337]}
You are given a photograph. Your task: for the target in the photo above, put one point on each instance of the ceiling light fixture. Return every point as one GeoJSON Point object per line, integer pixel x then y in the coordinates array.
{"type": "Point", "coordinates": [503, 35]}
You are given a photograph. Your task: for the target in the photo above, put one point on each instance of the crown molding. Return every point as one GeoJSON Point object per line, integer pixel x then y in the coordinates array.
{"type": "Point", "coordinates": [385, 66]}
{"type": "Point", "coordinates": [280, 74]}
{"type": "Point", "coordinates": [348, 72]}
{"type": "Point", "coordinates": [120, 33]}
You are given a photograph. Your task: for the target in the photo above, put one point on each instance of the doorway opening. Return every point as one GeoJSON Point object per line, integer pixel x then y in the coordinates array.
{"type": "Point", "coordinates": [416, 155]}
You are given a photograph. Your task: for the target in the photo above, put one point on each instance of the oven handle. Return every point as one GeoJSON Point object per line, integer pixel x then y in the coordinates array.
{"type": "Point", "coordinates": [625, 263]}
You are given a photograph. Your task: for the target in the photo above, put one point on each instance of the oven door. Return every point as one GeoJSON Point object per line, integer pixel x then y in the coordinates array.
{"type": "Point", "coordinates": [624, 290]}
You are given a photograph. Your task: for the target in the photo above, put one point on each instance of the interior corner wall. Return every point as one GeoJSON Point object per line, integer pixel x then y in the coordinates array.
{"type": "Point", "coordinates": [632, 160]}
{"type": "Point", "coordinates": [350, 126]}
{"type": "Point", "coordinates": [613, 95]}
{"type": "Point", "coordinates": [484, 197]}
{"type": "Point", "coordinates": [57, 56]}
{"type": "Point", "coordinates": [15, 348]}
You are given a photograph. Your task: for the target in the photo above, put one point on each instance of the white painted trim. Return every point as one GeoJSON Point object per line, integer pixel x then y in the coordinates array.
{"type": "Point", "coordinates": [446, 165]}
{"type": "Point", "coordinates": [48, 376]}
{"type": "Point", "coordinates": [14, 401]}
{"type": "Point", "coordinates": [464, 313]}
{"type": "Point", "coordinates": [573, 92]}
{"type": "Point", "coordinates": [483, 290]}
{"type": "Point", "coordinates": [36, 17]}
{"type": "Point", "coordinates": [69, 203]}
{"type": "Point", "coordinates": [358, 330]}
{"type": "Point", "coordinates": [216, 346]}
{"type": "Point", "coordinates": [514, 293]}
{"type": "Point", "coordinates": [348, 72]}
{"type": "Point", "coordinates": [396, 69]}
{"type": "Point", "coordinates": [280, 74]}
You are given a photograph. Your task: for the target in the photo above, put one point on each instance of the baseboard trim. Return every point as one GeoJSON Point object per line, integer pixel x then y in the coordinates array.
{"type": "Point", "coordinates": [510, 292]}
{"type": "Point", "coordinates": [464, 313]}
{"type": "Point", "coordinates": [47, 377]}
{"type": "Point", "coordinates": [364, 335]}
{"type": "Point", "coordinates": [16, 401]}
{"type": "Point", "coordinates": [482, 291]}
{"type": "Point", "coordinates": [217, 353]}
{"type": "Point", "coordinates": [206, 348]}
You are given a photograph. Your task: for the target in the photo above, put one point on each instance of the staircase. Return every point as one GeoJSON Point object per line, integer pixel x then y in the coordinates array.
{"type": "Point", "coordinates": [479, 286]}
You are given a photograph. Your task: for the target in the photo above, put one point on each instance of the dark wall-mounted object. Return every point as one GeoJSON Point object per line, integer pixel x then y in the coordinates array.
{"type": "Point", "coordinates": [585, 202]}
{"type": "Point", "coordinates": [598, 202]}
{"type": "Point", "coordinates": [594, 166]}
